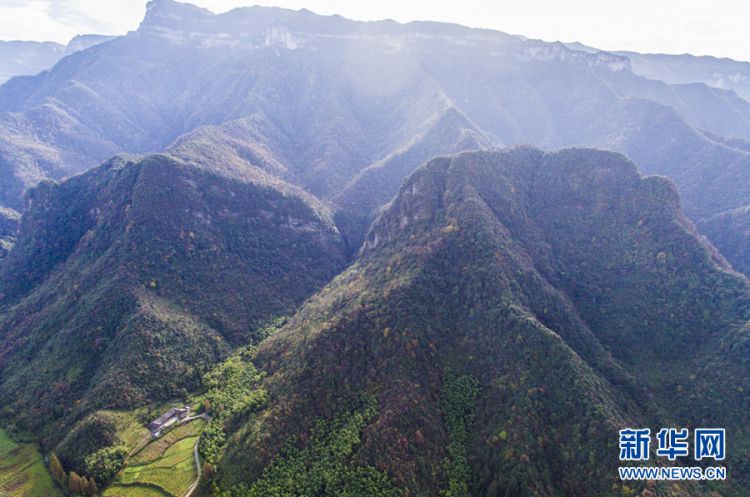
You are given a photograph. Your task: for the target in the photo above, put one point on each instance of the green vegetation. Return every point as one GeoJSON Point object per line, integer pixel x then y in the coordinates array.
{"type": "Point", "coordinates": [571, 294]}
{"type": "Point", "coordinates": [22, 471]}
{"type": "Point", "coordinates": [457, 402]}
{"type": "Point", "coordinates": [231, 386]}
{"type": "Point", "coordinates": [105, 463]}
{"type": "Point", "coordinates": [174, 472]}
{"type": "Point", "coordinates": [232, 391]}
{"type": "Point", "coordinates": [187, 293]}
{"type": "Point", "coordinates": [156, 448]}
{"type": "Point", "coordinates": [324, 465]}
{"type": "Point", "coordinates": [150, 461]}
{"type": "Point", "coordinates": [97, 431]}
{"type": "Point", "coordinates": [559, 285]}
{"type": "Point", "coordinates": [164, 467]}
{"type": "Point", "coordinates": [130, 426]}
{"type": "Point", "coordinates": [134, 490]}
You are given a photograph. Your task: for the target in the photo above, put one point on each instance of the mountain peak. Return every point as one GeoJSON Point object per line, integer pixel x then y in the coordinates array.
{"type": "Point", "coordinates": [172, 5]}
{"type": "Point", "coordinates": [422, 196]}
{"type": "Point", "coordinates": [169, 12]}
{"type": "Point", "coordinates": [545, 277]}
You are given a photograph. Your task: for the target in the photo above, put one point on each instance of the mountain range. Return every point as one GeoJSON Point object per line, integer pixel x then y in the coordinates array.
{"type": "Point", "coordinates": [724, 73]}
{"type": "Point", "coordinates": [393, 88]}
{"type": "Point", "coordinates": [25, 58]}
{"type": "Point", "coordinates": [572, 294]}
{"type": "Point", "coordinates": [475, 281]}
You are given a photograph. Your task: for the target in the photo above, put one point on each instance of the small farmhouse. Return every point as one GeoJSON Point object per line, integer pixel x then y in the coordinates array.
{"type": "Point", "coordinates": [172, 416]}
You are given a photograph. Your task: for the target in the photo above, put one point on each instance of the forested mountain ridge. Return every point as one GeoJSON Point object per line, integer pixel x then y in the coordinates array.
{"type": "Point", "coordinates": [399, 94]}
{"type": "Point", "coordinates": [545, 299]}
{"type": "Point", "coordinates": [127, 282]}
{"type": "Point", "coordinates": [476, 324]}
{"type": "Point", "coordinates": [709, 170]}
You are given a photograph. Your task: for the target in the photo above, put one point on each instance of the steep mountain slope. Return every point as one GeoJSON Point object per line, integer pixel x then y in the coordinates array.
{"type": "Point", "coordinates": [130, 280]}
{"type": "Point", "coordinates": [110, 98]}
{"type": "Point", "coordinates": [8, 228]}
{"type": "Point", "coordinates": [730, 232]}
{"type": "Point", "coordinates": [34, 145]}
{"type": "Point", "coordinates": [509, 312]}
{"type": "Point", "coordinates": [82, 42]}
{"type": "Point", "coordinates": [710, 171]}
{"type": "Point", "coordinates": [339, 102]}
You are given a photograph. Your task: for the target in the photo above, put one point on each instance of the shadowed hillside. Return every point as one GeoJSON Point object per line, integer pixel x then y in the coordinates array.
{"type": "Point", "coordinates": [509, 312]}
{"type": "Point", "coordinates": [129, 281]}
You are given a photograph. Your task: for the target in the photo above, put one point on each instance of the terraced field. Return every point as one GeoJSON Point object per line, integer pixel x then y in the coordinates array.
{"type": "Point", "coordinates": [163, 468]}
{"type": "Point", "coordinates": [135, 490]}
{"type": "Point", "coordinates": [22, 471]}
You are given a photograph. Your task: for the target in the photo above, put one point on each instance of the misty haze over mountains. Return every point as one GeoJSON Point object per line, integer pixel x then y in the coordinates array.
{"type": "Point", "coordinates": [25, 58]}
{"type": "Point", "coordinates": [393, 89]}
{"type": "Point", "coordinates": [391, 195]}
{"type": "Point", "coordinates": [721, 73]}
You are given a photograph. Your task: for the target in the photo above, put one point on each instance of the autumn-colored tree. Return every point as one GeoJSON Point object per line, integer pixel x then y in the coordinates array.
{"type": "Point", "coordinates": [208, 471]}
{"type": "Point", "coordinates": [56, 469]}
{"type": "Point", "coordinates": [75, 483]}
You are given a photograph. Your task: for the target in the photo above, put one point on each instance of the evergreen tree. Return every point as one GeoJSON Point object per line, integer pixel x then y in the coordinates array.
{"type": "Point", "coordinates": [88, 486]}
{"type": "Point", "coordinates": [105, 463]}
{"type": "Point", "coordinates": [93, 486]}
{"type": "Point", "coordinates": [56, 469]}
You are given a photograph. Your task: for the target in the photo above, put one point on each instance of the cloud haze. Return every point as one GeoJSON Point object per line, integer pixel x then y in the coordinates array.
{"type": "Point", "coordinates": [669, 26]}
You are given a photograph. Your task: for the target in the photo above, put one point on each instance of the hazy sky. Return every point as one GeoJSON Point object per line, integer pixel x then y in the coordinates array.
{"type": "Point", "coordinates": [718, 27]}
